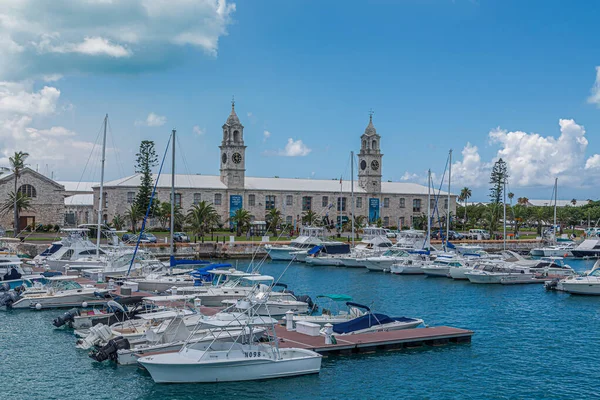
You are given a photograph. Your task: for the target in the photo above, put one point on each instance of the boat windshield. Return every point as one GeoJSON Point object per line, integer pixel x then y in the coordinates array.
{"type": "Point", "coordinates": [66, 285]}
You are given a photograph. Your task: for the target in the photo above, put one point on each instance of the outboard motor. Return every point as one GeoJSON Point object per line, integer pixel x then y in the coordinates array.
{"type": "Point", "coordinates": [306, 299]}
{"type": "Point", "coordinates": [69, 316]}
{"type": "Point", "coordinates": [109, 350]}
{"type": "Point", "coordinates": [7, 299]}
{"type": "Point", "coordinates": [5, 287]}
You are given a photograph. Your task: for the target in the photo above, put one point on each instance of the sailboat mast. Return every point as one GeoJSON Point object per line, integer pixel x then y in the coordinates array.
{"type": "Point", "coordinates": [352, 192]}
{"type": "Point", "coordinates": [504, 210]}
{"type": "Point", "coordinates": [428, 240]}
{"type": "Point", "coordinates": [172, 227]}
{"type": "Point", "coordinates": [555, 201]}
{"type": "Point", "coordinates": [101, 199]}
{"type": "Point", "coordinates": [448, 208]}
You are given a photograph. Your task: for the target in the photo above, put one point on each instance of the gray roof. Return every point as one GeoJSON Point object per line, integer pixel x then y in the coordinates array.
{"type": "Point", "coordinates": [370, 129]}
{"type": "Point", "coordinates": [233, 118]}
{"type": "Point", "coordinates": [270, 184]}
{"type": "Point", "coordinates": [80, 200]}
{"type": "Point", "coordinates": [72, 186]}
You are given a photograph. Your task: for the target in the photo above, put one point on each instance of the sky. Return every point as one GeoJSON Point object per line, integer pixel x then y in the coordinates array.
{"type": "Point", "coordinates": [488, 79]}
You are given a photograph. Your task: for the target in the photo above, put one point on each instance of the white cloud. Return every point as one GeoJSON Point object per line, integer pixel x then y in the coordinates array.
{"type": "Point", "coordinates": [56, 146]}
{"type": "Point", "coordinates": [198, 131]}
{"type": "Point", "coordinates": [266, 135]}
{"type": "Point", "coordinates": [152, 120]}
{"type": "Point", "coordinates": [294, 149]}
{"type": "Point", "coordinates": [39, 38]}
{"type": "Point", "coordinates": [595, 92]}
{"type": "Point", "coordinates": [593, 162]}
{"type": "Point", "coordinates": [532, 159]}
{"type": "Point", "coordinates": [409, 177]}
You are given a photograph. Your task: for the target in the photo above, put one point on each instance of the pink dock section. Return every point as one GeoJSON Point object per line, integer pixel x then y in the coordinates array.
{"type": "Point", "coordinates": [370, 342]}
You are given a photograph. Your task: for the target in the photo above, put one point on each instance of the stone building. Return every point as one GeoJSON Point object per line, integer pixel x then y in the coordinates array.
{"type": "Point", "coordinates": [47, 199]}
{"type": "Point", "coordinates": [396, 203]}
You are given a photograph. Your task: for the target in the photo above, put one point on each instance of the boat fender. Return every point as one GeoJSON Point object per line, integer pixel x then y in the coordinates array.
{"type": "Point", "coordinates": [110, 349]}
{"type": "Point", "coordinates": [66, 317]}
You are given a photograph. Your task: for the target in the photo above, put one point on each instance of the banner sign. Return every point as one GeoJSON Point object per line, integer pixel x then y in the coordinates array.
{"type": "Point", "coordinates": [235, 203]}
{"type": "Point", "coordinates": [373, 210]}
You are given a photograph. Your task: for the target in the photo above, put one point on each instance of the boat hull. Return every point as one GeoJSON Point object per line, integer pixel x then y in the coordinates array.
{"type": "Point", "coordinates": [231, 371]}
{"type": "Point", "coordinates": [436, 272]}
{"type": "Point", "coordinates": [406, 270]}
{"type": "Point", "coordinates": [582, 288]}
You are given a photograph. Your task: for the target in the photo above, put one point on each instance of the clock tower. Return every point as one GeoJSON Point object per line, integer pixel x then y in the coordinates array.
{"type": "Point", "coordinates": [233, 152]}
{"type": "Point", "coordinates": [369, 159]}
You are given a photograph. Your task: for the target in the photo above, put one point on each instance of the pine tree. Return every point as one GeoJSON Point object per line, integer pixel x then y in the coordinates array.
{"type": "Point", "coordinates": [146, 159]}
{"type": "Point", "coordinates": [498, 176]}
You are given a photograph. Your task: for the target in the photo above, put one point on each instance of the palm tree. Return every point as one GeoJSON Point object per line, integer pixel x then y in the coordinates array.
{"type": "Point", "coordinates": [465, 194]}
{"type": "Point", "coordinates": [510, 197]}
{"type": "Point", "coordinates": [359, 221]}
{"type": "Point", "coordinates": [309, 217]}
{"type": "Point", "coordinates": [519, 216]}
{"type": "Point", "coordinates": [22, 201]}
{"type": "Point", "coordinates": [17, 163]}
{"type": "Point", "coordinates": [118, 222]}
{"type": "Point", "coordinates": [133, 214]}
{"type": "Point", "coordinates": [273, 218]}
{"type": "Point", "coordinates": [241, 219]}
{"type": "Point", "coordinates": [523, 201]}
{"type": "Point", "coordinates": [202, 217]}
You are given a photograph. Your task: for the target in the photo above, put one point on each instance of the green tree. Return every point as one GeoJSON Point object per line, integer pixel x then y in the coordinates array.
{"type": "Point", "coordinates": [360, 222]}
{"type": "Point", "coordinates": [497, 178]}
{"type": "Point", "coordinates": [162, 212]}
{"type": "Point", "coordinates": [134, 215]}
{"type": "Point", "coordinates": [17, 164]}
{"type": "Point", "coordinates": [273, 219]}
{"type": "Point", "coordinates": [519, 217]}
{"type": "Point", "coordinates": [309, 218]}
{"type": "Point", "coordinates": [202, 218]}
{"type": "Point", "coordinates": [21, 201]}
{"type": "Point", "coordinates": [146, 159]}
{"type": "Point", "coordinates": [118, 222]}
{"type": "Point", "coordinates": [465, 194]}
{"type": "Point", "coordinates": [241, 219]}
{"type": "Point", "coordinates": [510, 196]}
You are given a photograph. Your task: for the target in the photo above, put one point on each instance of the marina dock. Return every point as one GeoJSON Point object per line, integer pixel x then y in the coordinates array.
{"type": "Point", "coordinates": [378, 341]}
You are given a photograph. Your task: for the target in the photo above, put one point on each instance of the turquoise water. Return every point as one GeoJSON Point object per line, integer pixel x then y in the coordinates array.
{"type": "Point", "coordinates": [528, 343]}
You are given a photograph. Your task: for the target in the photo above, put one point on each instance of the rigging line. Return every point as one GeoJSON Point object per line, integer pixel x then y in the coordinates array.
{"type": "Point", "coordinates": [116, 151]}
{"type": "Point", "coordinates": [89, 157]}
{"type": "Point", "coordinates": [185, 163]}
{"type": "Point", "coordinates": [139, 238]}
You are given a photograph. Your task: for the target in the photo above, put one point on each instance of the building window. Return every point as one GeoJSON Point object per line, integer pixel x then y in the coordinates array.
{"type": "Point", "coordinates": [402, 202]}
{"type": "Point", "coordinates": [386, 202]}
{"type": "Point", "coordinates": [105, 200]}
{"type": "Point", "coordinates": [130, 197]}
{"type": "Point", "coordinates": [289, 200]}
{"type": "Point", "coordinates": [417, 205]}
{"type": "Point", "coordinates": [217, 199]}
{"type": "Point", "coordinates": [288, 220]}
{"type": "Point", "coordinates": [306, 203]}
{"type": "Point", "coordinates": [178, 199]}
{"type": "Point", "coordinates": [197, 198]}
{"type": "Point", "coordinates": [432, 204]}
{"type": "Point", "coordinates": [27, 190]}
{"type": "Point", "coordinates": [359, 202]}
{"type": "Point", "coordinates": [341, 204]}
{"type": "Point", "coordinates": [386, 221]}
{"type": "Point", "coordinates": [401, 223]}
{"type": "Point", "coordinates": [269, 202]}
{"type": "Point", "coordinates": [445, 204]}
{"type": "Point", "coordinates": [325, 202]}
{"type": "Point", "coordinates": [251, 200]}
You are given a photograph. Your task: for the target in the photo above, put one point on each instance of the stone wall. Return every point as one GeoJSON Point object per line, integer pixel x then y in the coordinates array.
{"type": "Point", "coordinates": [47, 207]}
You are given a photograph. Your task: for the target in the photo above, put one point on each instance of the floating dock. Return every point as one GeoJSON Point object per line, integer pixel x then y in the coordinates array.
{"type": "Point", "coordinates": [377, 341]}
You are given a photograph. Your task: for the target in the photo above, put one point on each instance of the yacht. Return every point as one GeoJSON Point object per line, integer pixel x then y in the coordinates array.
{"type": "Point", "coordinates": [412, 265]}
{"type": "Point", "coordinates": [324, 255]}
{"type": "Point", "coordinates": [332, 314]}
{"type": "Point", "coordinates": [496, 272]}
{"type": "Point", "coordinates": [373, 322]}
{"type": "Point", "coordinates": [385, 261]}
{"type": "Point", "coordinates": [232, 361]}
{"type": "Point", "coordinates": [13, 275]}
{"type": "Point", "coordinates": [552, 267]}
{"type": "Point", "coordinates": [74, 246]}
{"type": "Point", "coordinates": [589, 248]}
{"type": "Point", "coordinates": [442, 265]}
{"type": "Point", "coordinates": [588, 284]}
{"type": "Point", "coordinates": [309, 237]}
{"type": "Point", "coordinates": [564, 249]}
{"type": "Point", "coordinates": [373, 243]}
{"type": "Point", "coordinates": [60, 292]}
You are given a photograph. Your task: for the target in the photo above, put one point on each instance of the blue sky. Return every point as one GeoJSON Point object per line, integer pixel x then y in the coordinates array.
{"type": "Point", "coordinates": [438, 73]}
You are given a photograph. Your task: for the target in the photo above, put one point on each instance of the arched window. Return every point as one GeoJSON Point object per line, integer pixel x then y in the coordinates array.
{"type": "Point", "coordinates": [236, 136]}
{"type": "Point", "coordinates": [225, 135]}
{"type": "Point", "coordinates": [364, 144]}
{"type": "Point", "coordinates": [374, 146]}
{"type": "Point", "coordinates": [27, 190]}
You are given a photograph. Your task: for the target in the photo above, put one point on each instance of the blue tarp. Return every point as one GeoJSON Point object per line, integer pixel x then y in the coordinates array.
{"type": "Point", "coordinates": [366, 321]}
{"type": "Point", "coordinates": [173, 262]}
{"type": "Point", "coordinates": [314, 250]}
{"type": "Point", "coordinates": [450, 245]}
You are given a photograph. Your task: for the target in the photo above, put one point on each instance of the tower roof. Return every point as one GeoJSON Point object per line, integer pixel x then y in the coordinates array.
{"type": "Point", "coordinates": [370, 129]}
{"type": "Point", "coordinates": [233, 118]}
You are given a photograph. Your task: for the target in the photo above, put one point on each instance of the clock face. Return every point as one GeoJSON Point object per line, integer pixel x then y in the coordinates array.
{"type": "Point", "coordinates": [363, 165]}
{"type": "Point", "coordinates": [237, 158]}
{"type": "Point", "coordinates": [374, 165]}
{"type": "Point", "coordinates": [224, 158]}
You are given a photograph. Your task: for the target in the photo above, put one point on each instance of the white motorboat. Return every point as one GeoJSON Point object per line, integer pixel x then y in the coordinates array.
{"type": "Point", "coordinates": [373, 322]}
{"type": "Point", "coordinates": [587, 284]}
{"type": "Point", "coordinates": [373, 243]}
{"type": "Point", "coordinates": [333, 314]}
{"type": "Point", "coordinates": [231, 361]}
{"type": "Point", "coordinates": [552, 267]}
{"type": "Point", "coordinates": [323, 255]}
{"type": "Point", "coordinates": [310, 236]}
{"type": "Point", "coordinates": [61, 292]}
{"type": "Point", "coordinates": [559, 250]}
{"type": "Point", "coordinates": [491, 272]}
{"type": "Point", "coordinates": [74, 246]}
{"type": "Point", "coordinates": [385, 261]}
{"type": "Point", "coordinates": [410, 266]}
{"type": "Point", "coordinates": [442, 265]}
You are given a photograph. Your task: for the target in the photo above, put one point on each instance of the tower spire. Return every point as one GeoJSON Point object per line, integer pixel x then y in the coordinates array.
{"type": "Point", "coordinates": [371, 112]}
{"type": "Point", "coordinates": [232, 103]}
